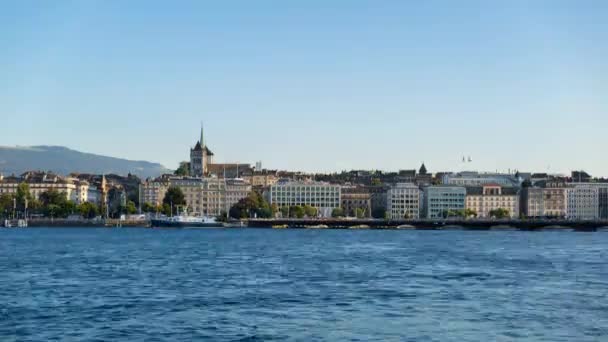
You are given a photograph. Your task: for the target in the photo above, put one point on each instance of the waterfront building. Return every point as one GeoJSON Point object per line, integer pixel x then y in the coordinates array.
{"type": "Point", "coordinates": [210, 196]}
{"type": "Point", "coordinates": [378, 197]}
{"type": "Point", "coordinates": [354, 198]}
{"type": "Point", "coordinates": [582, 202]}
{"type": "Point", "coordinates": [440, 199]}
{"type": "Point", "coordinates": [532, 204]}
{"type": "Point", "coordinates": [74, 189]}
{"type": "Point", "coordinates": [236, 189]}
{"type": "Point", "coordinates": [484, 199]}
{"type": "Point", "coordinates": [472, 178]}
{"type": "Point", "coordinates": [547, 202]}
{"type": "Point", "coordinates": [152, 191]}
{"type": "Point", "coordinates": [603, 201]}
{"type": "Point", "coordinates": [94, 194]}
{"type": "Point", "coordinates": [323, 196]}
{"type": "Point", "coordinates": [403, 201]}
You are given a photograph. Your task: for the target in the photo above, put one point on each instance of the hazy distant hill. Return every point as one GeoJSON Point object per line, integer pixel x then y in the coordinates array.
{"type": "Point", "coordinates": [63, 160]}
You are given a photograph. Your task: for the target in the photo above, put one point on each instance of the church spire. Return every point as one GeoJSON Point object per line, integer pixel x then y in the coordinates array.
{"type": "Point", "coordinates": [202, 140]}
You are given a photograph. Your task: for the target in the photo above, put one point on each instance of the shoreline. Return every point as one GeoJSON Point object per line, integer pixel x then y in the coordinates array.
{"type": "Point", "coordinates": [355, 224]}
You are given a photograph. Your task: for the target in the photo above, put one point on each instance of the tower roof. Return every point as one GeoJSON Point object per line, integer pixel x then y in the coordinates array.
{"type": "Point", "coordinates": [202, 140]}
{"type": "Point", "coordinates": [422, 170]}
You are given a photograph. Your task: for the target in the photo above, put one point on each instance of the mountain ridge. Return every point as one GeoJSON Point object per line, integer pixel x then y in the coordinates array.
{"type": "Point", "coordinates": [64, 160]}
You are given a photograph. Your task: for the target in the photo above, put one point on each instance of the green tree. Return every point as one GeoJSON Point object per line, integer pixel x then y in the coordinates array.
{"type": "Point", "coordinates": [88, 210]}
{"type": "Point", "coordinates": [166, 209]}
{"type": "Point", "coordinates": [53, 210]}
{"type": "Point", "coordinates": [376, 182]}
{"type": "Point", "coordinates": [451, 213]}
{"type": "Point", "coordinates": [284, 212]}
{"type": "Point", "coordinates": [55, 204]}
{"type": "Point", "coordinates": [6, 205]}
{"type": "Point", "coordinates": [468, 213]}
{"type": "Point", "coordinates": [223, 216]}
{"type": "Point", "coordinates": [500, 213]}
{"type": "Point", "coordinates": [310, 211]}
{"type": "Point", "coordinates": [67, 208]}
{"type": "Point", "coordinates": [131, 208]}
{"type": "Point", "coordinates": [337, 212]}
{"type": "Point", "coordinates": [182, 170]}
{"type": "Point", "coordinates": [52, 197]}
{"type": "Point", "coordinates": [252, 205]}
{"type": "Point", "coordinates": [148, 208]}
{"type": "Point", "coordinates": [274, 208]}
{"type": "Point", "coordinates": [174, 196]}
{"type": "Point", "coordinates": [296, 211]}
{"type": "Point", "coordinates": [359, 213]}
{"type": "Point", "coordinates": [23, 195]}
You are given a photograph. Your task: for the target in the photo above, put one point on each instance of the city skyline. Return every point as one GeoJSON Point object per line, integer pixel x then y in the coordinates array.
{"type": "Point", "coordinates": [313, 87]}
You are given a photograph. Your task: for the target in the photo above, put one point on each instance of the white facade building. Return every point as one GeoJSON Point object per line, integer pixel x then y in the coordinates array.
{"type": "Point", "coordinates": [323, 196]}
{"type": "Point", "coordinates": [582, 202]}
{"type": "Point", "coordinates": [403, 201]}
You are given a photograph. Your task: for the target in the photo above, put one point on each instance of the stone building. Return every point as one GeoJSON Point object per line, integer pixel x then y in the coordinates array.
{"type": "Point", "coordinates": [210, 196]}
{"type": "Point", "coordinates": [537, 202]}
{"type": "Point", "coordinates": [200, 158]}
{"type": "Point", "coordinates": [354, 198]}
{"type": "Point", "coordinates": [484, 199]}
{"type": "Point", "coordinates": [39, 182]}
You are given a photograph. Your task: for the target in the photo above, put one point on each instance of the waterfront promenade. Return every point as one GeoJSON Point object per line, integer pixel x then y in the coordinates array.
{"type": "Point", "coordinates": [471, 224]}
{"type": "Point", "coordinates": [341, 223]}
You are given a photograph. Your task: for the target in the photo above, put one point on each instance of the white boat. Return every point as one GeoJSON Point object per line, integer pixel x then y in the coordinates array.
{"type": "Point", "coordinates": [239, 224]}
{"type": "Point", "coordinates": [183, 221]}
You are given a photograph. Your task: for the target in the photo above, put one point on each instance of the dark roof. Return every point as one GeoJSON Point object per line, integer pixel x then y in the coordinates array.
{"type": "Point", "coordinates": [474, 190]}
{"type": "Point", "coordinates": [11, 179]}
{"type": "Point", "coordinates": [422, 170]}
{"type": "Point", "coordinates": [478, 190]}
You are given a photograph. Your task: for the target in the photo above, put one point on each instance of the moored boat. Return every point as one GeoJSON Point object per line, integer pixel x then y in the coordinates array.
{"type": "Point", "coordinates": [237, 224]}
{"type": "Point", "coordinates": [183, 221]}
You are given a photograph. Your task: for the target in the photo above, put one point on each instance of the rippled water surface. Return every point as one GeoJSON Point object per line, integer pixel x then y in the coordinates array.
{"type": "Point", "coordinates": [302, 285]}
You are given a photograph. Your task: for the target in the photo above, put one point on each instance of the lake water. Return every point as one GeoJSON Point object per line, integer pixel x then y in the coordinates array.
{"type": "Point", "coordinates": [302, 285]}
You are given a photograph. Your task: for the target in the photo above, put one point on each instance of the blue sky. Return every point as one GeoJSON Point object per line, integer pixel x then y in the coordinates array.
{"type": "Point", "coordinates": [313, 85]}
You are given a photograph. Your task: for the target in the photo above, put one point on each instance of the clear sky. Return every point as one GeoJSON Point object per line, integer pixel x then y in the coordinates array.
{"type": "Point", "coordinates": [315, 85]}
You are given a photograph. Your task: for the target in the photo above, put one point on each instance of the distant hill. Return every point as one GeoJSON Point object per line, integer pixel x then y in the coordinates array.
{"type": "Point", "coordinates": [62, 160]}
